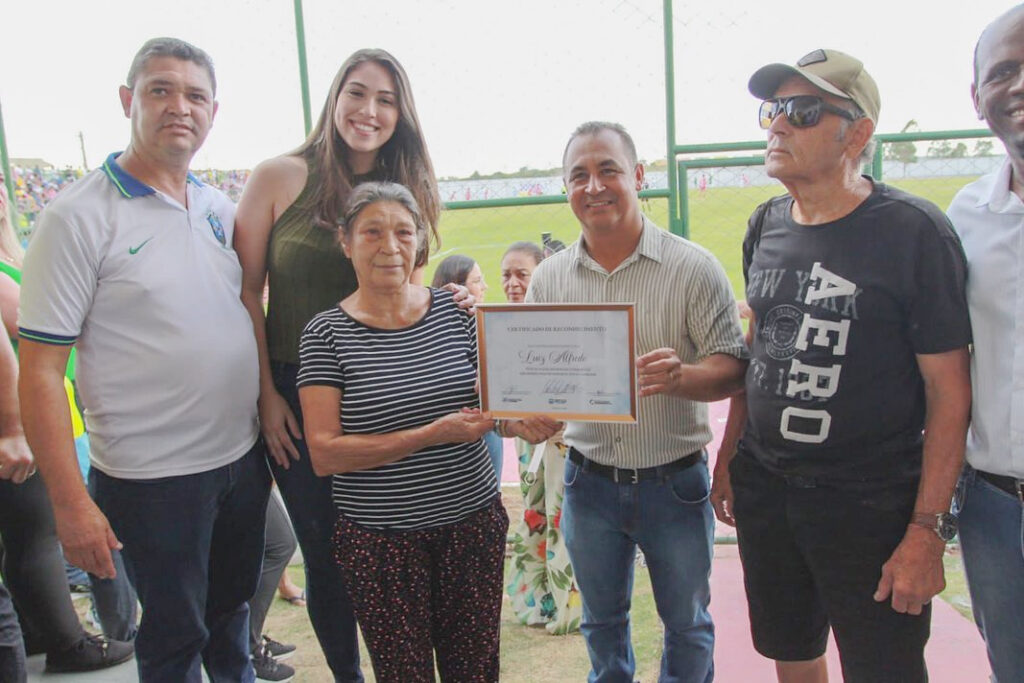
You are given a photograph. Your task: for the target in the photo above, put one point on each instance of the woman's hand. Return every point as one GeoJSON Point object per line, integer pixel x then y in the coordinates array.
{"type": "Point", "coordinates": [279, 427]}
{"type": "Point", "coordinates": [16, 462]}
{"type": "Point", "coordinates": [535, 430]}
{"type": "Point", "coordinates": [467, 425]}
{"type": "Point", "coordinates": [461, 296]}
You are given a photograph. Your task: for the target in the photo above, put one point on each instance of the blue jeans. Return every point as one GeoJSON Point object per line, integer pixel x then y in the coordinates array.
{"type": "Point", "coordinates": [113, 600]}
{"type": "Point", "coordinates": [12, 650]}
{"type": "Point", "coordinates": [672, 522]}
{"type": "Point", "coordinates": [496, 452]}
{"type": "Point", "coordinates": [991, 527]}
{"type": "Point", "coordinates": [311, 508]}
{"type": "Point", "coordinates": [193, 546]}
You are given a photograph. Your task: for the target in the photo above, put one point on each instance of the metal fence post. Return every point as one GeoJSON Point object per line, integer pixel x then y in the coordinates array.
{"type": "Point", "coordinates": [876, 163]}
{"type": "Point", "coordinates": [684, 199]}
{"type": "Point", "coordinates": [5, 166]}
{"type": "Point", "coordinates": [300, 37]}
{"type": "Point", "coordinates": [675, 224]}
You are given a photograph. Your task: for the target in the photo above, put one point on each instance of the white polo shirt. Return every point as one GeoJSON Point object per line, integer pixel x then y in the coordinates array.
{"type": "Point", "coordinates": [148, 291]}
{"type": "Point", "coordinates": [990, 221]}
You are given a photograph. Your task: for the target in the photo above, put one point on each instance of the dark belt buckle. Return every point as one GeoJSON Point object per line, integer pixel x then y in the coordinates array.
{"type": "Point", "coordinates": [621, 474]}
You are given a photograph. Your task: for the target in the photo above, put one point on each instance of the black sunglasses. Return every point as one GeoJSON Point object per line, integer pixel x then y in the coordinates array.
{"type": "Point", "coordinates": [802, 111]}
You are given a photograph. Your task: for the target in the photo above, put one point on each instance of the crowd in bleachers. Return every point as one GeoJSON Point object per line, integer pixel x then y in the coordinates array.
{"type": "Point", "coordinates": [36, 186]}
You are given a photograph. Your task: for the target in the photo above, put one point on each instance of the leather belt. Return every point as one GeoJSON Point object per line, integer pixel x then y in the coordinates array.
{"type": "Point", "coordinates": [1015, 487]}
{"type": "Point", "coordinates": [634, 476]}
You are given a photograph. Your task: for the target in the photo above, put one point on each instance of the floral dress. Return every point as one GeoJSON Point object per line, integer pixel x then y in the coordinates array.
{"type": "Point", "coordinates": [540, 579]}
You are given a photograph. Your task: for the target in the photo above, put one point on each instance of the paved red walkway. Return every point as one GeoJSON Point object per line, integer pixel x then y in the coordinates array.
{"type": "Point", "coordinates": [955, 652]}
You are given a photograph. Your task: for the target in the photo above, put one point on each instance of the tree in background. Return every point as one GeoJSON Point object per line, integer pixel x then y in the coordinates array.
{"type": "Point", "coordinates": [944, 149]}
{"type": "Point", "coordinates": [982, 148]}
{"type": "Point", "coordinates": [903, 152]}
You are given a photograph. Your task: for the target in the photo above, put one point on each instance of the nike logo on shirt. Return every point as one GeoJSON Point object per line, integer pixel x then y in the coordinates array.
{"type": "Point", "coordinates": [135, 250]}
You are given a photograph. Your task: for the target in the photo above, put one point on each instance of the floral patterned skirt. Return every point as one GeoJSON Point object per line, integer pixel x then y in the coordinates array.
{"type": "Point", "coordinates": [540, 579]}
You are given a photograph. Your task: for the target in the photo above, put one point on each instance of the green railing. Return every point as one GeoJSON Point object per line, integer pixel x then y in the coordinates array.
{"type": "Point", "coordinates": [683, 166]}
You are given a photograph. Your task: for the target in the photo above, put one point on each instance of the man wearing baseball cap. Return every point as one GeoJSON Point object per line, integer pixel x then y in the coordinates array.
{"type": "Point", "coordinates": [857, 396]}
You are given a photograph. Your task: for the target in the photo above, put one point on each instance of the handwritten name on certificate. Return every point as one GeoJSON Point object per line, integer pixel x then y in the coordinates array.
{"type": "Point", "coordinates": [568, 361]}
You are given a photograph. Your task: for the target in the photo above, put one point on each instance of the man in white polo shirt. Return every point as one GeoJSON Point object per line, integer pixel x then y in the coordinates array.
{"type": "Point", "coordinates": [133, 265]}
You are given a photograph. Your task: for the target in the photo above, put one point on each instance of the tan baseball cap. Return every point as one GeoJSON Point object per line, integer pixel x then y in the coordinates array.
{"type": "Point", "coordinates": [831, 70]}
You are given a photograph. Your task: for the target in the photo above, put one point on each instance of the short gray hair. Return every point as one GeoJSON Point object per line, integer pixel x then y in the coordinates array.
{"type": "Point", "coordinates": [525, 247]}
{"type": "Point", "coordinates": [169, 47]}
{"type": "Point", "coordinates": [867, 155]}
{"type": "Point", "coordinates": [595, 127]}
{"type": "Point", "coordinates": [365, 194]}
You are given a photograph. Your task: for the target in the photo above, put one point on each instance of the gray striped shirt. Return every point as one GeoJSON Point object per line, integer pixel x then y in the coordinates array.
{"type": "Point", "coordinates": [684, 302]}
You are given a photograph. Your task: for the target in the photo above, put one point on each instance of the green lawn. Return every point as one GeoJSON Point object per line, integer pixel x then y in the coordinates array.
{"type": "Point", "coordinates": [718, 218]}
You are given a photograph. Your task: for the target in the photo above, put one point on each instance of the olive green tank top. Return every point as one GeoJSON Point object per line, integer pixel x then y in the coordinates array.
{"type": "Point", "coordinates": [13, 272]}
{"type": "Point", "coordinates": [307, 273]}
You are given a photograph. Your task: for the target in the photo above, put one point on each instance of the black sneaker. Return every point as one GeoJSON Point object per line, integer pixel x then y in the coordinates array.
{"type": "Point", "coordinates": [88, 654]}
{"type": "Point", "coordinates": [279, 651]}
{"type": "Point", "coordinates": [269, 669]}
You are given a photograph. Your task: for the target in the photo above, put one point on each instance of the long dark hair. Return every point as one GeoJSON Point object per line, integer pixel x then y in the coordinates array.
{"type": "Point", "coordinates": [454, 268]}
{"type": "Point", "coordinates": [402, 159]}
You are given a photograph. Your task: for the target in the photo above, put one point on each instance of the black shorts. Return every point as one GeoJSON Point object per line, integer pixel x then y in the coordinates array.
{"type": "Point", "coordinates": [812, 555]}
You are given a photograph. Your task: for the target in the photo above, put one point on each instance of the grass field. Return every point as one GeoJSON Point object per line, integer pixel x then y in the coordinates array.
{"type": "Point", "coordinates": [718, 218]}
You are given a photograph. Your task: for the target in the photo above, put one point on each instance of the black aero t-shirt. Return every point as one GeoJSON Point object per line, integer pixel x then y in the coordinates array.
{"type": "Point", "coordinates": [841, 309]}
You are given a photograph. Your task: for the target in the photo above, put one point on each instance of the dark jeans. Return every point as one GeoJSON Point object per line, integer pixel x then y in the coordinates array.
{"type": "Point", "coordinates": [812, 553]}
{"type": "Point", "coordinates": [33, 567]}
{"type": "Point", "coordinates": [309, 503]}
{"type": "Point", "coordinates": [193, 546]}
{"type": "Point", "coordinates": [12, 650]}
{"type": "Point", "coordinates": [115, 601]}
{"type": "Point", "coordinates": [280, 547]}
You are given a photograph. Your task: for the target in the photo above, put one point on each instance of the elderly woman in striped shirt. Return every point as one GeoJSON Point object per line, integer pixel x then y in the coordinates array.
{"type": "Point", "coordinates": [388, 390]}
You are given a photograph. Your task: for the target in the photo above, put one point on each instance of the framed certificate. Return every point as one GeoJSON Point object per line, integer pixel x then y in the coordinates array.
{"type": "Point", "coordinates": [566, 361]}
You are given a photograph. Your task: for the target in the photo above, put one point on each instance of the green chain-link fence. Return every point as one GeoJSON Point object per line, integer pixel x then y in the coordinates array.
{"type": "Point", "coordinates": [718, 193]}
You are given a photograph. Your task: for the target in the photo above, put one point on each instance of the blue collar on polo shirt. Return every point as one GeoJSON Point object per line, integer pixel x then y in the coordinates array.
{"type": "Point", "coordinates": [127, 184]}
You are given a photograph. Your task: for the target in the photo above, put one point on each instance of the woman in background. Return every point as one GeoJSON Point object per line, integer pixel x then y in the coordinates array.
{"type": "Point", "coordinates": [462, 270]}
{"type": "Point", "coordinates": [540, 580]}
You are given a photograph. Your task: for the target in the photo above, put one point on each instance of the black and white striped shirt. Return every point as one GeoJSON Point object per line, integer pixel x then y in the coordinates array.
{"type": "Point", "coordinates": [393, 380]}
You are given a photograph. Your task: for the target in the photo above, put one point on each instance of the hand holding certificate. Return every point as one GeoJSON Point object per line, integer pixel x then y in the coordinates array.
{"type": "Point", "coordinates": [565, 361]}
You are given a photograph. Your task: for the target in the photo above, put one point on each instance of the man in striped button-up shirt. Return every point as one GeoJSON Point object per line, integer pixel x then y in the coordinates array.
{"type": "Point", "coordinates": [643, 484]}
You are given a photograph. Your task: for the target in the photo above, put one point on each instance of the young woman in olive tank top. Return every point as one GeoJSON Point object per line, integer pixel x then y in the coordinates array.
{"type": "Point", "coordinates": [286, 236]}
